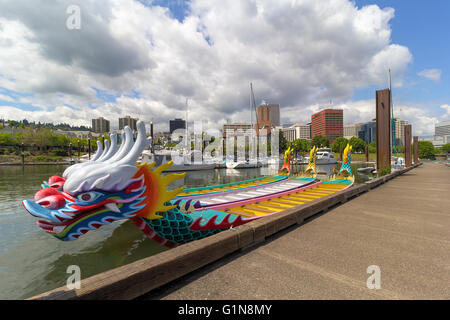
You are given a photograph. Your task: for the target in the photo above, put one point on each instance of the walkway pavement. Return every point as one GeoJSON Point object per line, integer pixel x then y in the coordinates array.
{"type": "Point", "coordinates": [402, 226]}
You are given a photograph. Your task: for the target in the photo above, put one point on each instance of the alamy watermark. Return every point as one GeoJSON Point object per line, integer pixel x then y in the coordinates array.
{"type": "Point", "coordinates": [74, 280]}
{"type": "Point", "coordinates": [374, 280]}
{"type": "Point", "coordinates": [73, 21]}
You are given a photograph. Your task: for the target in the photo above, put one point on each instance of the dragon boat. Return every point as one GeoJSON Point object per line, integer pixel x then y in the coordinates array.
{"type": "Point", "coordinates": [246, 190]}
{"type": "Point", "coordinates": [112, 187]}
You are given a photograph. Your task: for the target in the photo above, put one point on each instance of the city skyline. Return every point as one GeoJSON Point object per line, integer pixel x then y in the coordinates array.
{"type": "Point", "coordinates": [44, 74]}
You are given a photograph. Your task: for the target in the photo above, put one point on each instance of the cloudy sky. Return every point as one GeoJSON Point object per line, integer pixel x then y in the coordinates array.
{"type": "Point", "coordinates": [144, 58]}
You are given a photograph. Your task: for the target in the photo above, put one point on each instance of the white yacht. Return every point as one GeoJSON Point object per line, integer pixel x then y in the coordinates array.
{"type": "Point", "coordinates": [324, 156]}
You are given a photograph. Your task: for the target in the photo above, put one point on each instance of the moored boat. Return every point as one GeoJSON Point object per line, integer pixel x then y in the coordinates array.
{"type": "Point", "coordinates": [114, 188]}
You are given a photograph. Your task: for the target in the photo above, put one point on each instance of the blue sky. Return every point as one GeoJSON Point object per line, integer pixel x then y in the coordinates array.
{"type": "Point", "coordinates": [422, 26]}
{"type": "Point", "coordinates": [418, 25]}
{"type": "Point", "coordinates": [143, 61]}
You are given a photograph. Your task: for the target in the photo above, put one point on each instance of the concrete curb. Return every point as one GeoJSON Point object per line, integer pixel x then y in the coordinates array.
{"type": "Point", "coordinates": [140, 277]}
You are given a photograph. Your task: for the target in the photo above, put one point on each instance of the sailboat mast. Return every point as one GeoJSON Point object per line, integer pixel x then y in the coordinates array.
{"type": "Point", "coordinates": [253, 107]}
{"type": "Point", "coordinates": [187, 122]}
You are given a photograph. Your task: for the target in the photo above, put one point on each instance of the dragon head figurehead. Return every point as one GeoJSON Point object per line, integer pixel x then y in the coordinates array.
{"type": "Point", "coordinates": [311, 168]}
{"type": "Point", "coordinates": [345, 173]}
{"type": "Point", "coordinates": [286, 168]}
{"type": "Point", "coordinates": [108, 188]}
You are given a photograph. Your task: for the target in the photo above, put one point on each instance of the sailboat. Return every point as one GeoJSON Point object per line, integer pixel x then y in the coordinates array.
{"type": "Point", "coordinates": [184, 161]}
{"type": "Point", "coordinates": [249, 163]}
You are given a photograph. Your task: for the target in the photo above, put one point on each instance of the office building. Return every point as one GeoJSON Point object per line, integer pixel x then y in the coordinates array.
{"type": "Point", "coordinates": [329, 123]}
{"type": "Point", "coordinates": [267, 116]}
{"type": "Point", "coordinates": [176, 124]}
{"type": "Point", "coordinates": [400, 132]}
{"type": "Point", "coordinates": [352, 130]}
{"type": "Point", "coordinates": [235, 127]}
{"type": "Point", "coordinates": [297, 131]}
{"type": "Point", "coordinates": [442, 129]}
{"type": "Point", "coordinates": [100, 125]}
{"type": "Point", "coordinates": [128, 121]}
{"type": "Point", "coordinates": [368, 132]}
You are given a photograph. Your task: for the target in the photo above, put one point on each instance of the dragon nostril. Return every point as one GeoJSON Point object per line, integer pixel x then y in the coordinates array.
{"type": "Point", "coordinates": [44, 203]}
{"type": "Point", "coordinates": [52, 202]}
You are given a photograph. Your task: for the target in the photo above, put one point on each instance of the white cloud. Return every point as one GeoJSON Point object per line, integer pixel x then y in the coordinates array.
{"type": "Point", "coordinates": [364, 110]}
{"type": "Point", "coordinates": [300, 54]}
{"type": "Point", "coordinates": [446, 107]}
{"type": "Point", "coordinates": [431, 74]}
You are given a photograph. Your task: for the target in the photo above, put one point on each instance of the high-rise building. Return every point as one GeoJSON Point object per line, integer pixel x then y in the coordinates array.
{"type": "Point", "coordinates": [368, 132]}
{"type": "Point", "coordinates": [234, 127]}
{"type": "Point", "coordinates": [177, 124]}
{"type": "Point", "coordinates": [297, 131]}
{"type": "Point", "coordinates": [400, 132]}
{"type": "Point", "coordinates": [100, 125]}
{"type": "Point", "coordinates": [442, 129]}
{"type": "Point", "coordinates": [352, 130]}
{"type": "Point", "coordinates": [128, 121]}
{"type": "Point", "coordinates": [267, 116]}
{"type": "Point", "coordinates": [441, 134]}
{"type": "Point", "coordinates": [329, 123]}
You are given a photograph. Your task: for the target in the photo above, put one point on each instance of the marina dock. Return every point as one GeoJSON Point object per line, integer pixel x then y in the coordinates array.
{"type": "Point", "coordinates": [402, 226]}
{"type": "Point", "coordinates": [399, 222]}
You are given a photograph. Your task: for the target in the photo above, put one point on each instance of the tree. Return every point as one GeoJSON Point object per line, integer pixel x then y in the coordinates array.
{"type": "Point", "coordinates": [373, 147]}
{"type": "Point", "coordinates": [339, 144]}
{"type": "Point", "coordinates": [426, 150]}
{"type": "Point", "coordinates": [300, 146]}
{"type": "Point", "coordinates": [6, 139]}
{"type": "Point", "coordinates": [283, 142]}
{"type": "Point", "coordinates": [358, 145]}
{"type": "Point", "coordinates": [446, 148]}
{"type": "Point", "coordinates": [321, 141]}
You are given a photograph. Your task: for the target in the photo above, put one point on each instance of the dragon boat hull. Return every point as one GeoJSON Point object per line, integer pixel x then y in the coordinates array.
{"type": "Point", "coordinates": [204, 222]}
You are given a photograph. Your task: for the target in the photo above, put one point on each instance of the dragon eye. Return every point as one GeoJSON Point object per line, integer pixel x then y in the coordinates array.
{"type": "Point", "coordinates": [87, 196]}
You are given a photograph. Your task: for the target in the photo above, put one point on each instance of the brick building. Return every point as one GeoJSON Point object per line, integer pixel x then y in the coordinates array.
{"type": "Point", "coordinates": [329, 123]}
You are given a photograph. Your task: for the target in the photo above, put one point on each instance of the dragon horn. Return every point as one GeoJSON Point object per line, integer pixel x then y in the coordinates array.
{"type": "Point", "coordinates": [139, 145]}
{"type": "Point", "coordinates": [112, 148]}
{"type": "Point", "coordinates": [105, 152]}
{"type": "Point", "coordinates": [99, 152]}
{"type": "Point", "coordinates": [125, 147]}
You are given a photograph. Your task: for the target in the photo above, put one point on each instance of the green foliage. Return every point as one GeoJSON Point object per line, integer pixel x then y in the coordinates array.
{"type": "Point", "coordinates": [373, 147]}
{"type": "Point", "coordinates": [283, 142]}
{"type": "Point", "coordinates": [6, 139]}
{"type": "Point", "coordinates": [400, 149]}
{"type": "Point", "coordinates": [300, 146]}
{"type": "Point", "coordinates": [446, 148]}
{"type": "Point", "coordinates": [46, 158]}
{"type": "Point", "coordinates": [426, 150]}
{"type": "Point", "coordinates": [358, 145]}
{"type": "Point", "coordinates": [385, 171]}
{"type": "Point", "coordinates": [339, 145]}
{"type": "Point", "coordinates": [321, 141]}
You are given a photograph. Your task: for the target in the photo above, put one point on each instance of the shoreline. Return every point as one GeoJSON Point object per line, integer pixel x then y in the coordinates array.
{"type": "Point", "coordinates": [35, 163]}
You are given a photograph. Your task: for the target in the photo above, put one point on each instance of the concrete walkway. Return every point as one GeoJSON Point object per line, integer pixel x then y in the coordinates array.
{"type": "Point", "coordinates": [402, 226]}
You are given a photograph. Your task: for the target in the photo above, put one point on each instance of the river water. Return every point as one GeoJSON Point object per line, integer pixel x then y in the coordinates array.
{"type": "Point", "coordinates": [32, 261]}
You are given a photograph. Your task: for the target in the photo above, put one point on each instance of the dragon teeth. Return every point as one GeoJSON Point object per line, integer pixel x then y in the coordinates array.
{"type": "Point", "coordinates": [112, 207]}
